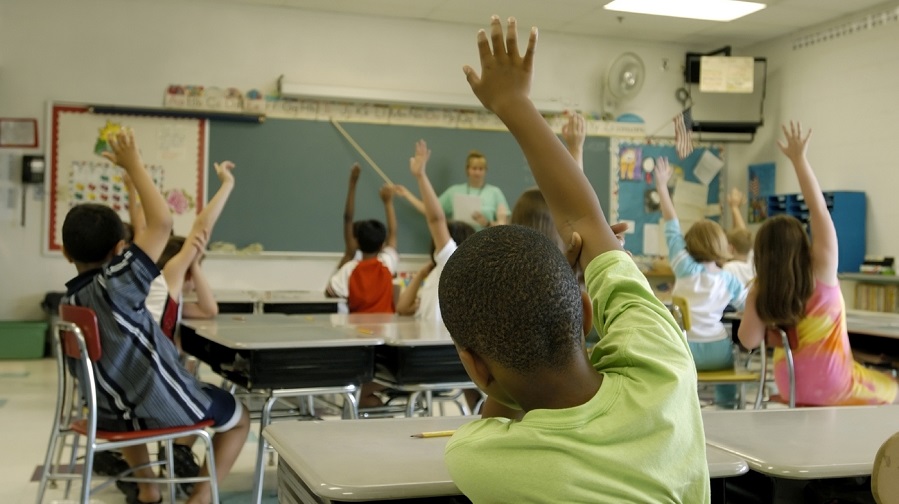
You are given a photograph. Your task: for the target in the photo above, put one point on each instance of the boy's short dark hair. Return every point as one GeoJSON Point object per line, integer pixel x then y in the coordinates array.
{"type": "Point", "coordinates": [91, 231]}
{"type": "Point", "coordinates": [509, 295]}
{"type": "Point", "coordinates": [172, 247]}
{"type": "Point", "coordinates": [370, 235]}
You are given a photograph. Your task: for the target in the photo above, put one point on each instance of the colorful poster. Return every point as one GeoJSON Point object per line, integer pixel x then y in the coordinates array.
{"type": "Point", "coordinates": [173, 151]}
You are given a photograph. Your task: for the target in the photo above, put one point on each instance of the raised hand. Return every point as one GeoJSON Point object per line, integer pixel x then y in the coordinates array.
{"type": "Point", "coordinates": [505, 77]}
{"type": "Point", "coordinates": [794, 144]}
{"type": "Point", "coordinates": [223, 170]}
{"type": "Point", "coordinates": [574, 132]}
{"type": "Point", "coordinates": [662, 172]}
{"type": "Point", "coordinates": [355, 171]}
{"type": "Point", "coordinates": [735, 197]}
{"type": "Point", "coordinates": [124, 150]}
{"type": "Point", "coordinates": [418, 162]}
{"type": "Point", "coordinates": [386, 192]}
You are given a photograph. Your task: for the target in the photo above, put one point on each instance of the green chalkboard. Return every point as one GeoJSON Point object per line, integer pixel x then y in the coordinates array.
{"type": "Point", "coordinates": [292, 177]}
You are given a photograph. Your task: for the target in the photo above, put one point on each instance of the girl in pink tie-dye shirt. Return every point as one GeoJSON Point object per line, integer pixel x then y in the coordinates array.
{"type": "Point", "coordinates": [796, 288]}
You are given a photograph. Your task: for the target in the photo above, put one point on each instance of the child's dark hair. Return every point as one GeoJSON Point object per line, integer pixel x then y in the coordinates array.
{"type": "Point", "coordinates": [508, 294]}
{"type": "Point", "coordinates": [172, 247]}
{"type": "Point", "coordinates": [459, 231]}
{"type": "Point", "coordinates": [90, 232]}
{"type": "Point", "coordinates": [370, 235]}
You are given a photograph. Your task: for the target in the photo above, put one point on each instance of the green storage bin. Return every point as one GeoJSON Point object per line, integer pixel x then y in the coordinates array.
{"type": "Point", "coordinates": [22, 340]}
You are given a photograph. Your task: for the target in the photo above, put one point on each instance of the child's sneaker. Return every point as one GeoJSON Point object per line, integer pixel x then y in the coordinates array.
{"type": "Point", "coordinates": [109, 463]}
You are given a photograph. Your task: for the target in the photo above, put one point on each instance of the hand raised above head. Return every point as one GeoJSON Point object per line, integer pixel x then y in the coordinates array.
{"type": "Point", "coordinates": [386, 192]}
{"type": "Point", "coordinates": [735, 197]}
{"type": "Point", "coordinates": [574, 132]}
{"type": "Point", "coordinates": [662, 172]}
{"type": "Point", "coordinates": [794, 144]}
{"type": "Point", "coordinates": [355, 171]}
{"type": "Point", "coordinates": [124, 150]}
{"type": "Point", "coordinates": [418, 162]}
{"type": "Point", "coordinates": [223, 170]}
{"type": "Point", "coordinates": [505, 75]}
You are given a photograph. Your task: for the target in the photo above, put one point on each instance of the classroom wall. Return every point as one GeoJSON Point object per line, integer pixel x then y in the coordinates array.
{"type": "Point", "coordinates": [844, 88]}
{"type": "Point", "coordinates": [126, 53]}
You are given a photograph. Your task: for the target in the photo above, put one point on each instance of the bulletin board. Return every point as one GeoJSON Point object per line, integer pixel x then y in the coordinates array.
{"type": "Point", "coordinates": [633, 184]}
{"type": "Point", "coordinates": [173, 151]}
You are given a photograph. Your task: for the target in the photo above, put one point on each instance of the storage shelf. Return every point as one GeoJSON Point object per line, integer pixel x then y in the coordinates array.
{"type": "Point", "coordinates": [869, 278]}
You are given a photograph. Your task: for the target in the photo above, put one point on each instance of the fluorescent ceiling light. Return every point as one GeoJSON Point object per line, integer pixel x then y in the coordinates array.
{"type": "Point", "coordinates": [710, 10]}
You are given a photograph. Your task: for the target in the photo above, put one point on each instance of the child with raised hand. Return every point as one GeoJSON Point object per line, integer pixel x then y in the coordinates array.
{"type": "Point", "coordinates": [739, 240]}
{"type": "Point", "coordinates": [113, 281]}
{"type": "Point", "coordinates": [796, 289]}
{"type": "Point", "coordinates": [180, 263]}
{"type": "Point", "coordinates": [367, 281]}
{"type": "Point", "coordinates": [696, 259]}
{"type": "Point", "coordinates": [419, 298]}
{"type": "Point", "coordinates": [603, 429]}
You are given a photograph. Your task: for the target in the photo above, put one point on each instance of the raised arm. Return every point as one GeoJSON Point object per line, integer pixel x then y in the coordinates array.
{"type": "Point", "coordinates": [135, 208]}
{"type": "Point", "coordinates": [205, 307]}
{"type": "Point", "coordinates": [433, 211]}
{"type": "Point", "coordinates": [408, 302]}
{"type": "Point", "coordinates": [825, 255]}
{"type": "Point", "coordinates": [662, 174]}
{"type": "Point", "coordinates": [411, 198]}
{"type": "Point", "coordinates": [735, 200]}
{"type": "Point", "coordinates": [390, 213]}
{"type": "Point", "coordinates": [349, 210]}
{"type": "Point", "coordinates": [503, 87]}
{"type": "Point", "coordinates": [574, 132]}
{"type": "Point", "coordinates": [195, 244]}
{"type": "Point", "coordinates": [158, 217]}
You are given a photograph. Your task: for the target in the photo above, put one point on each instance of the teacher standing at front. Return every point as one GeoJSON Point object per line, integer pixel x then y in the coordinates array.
{"type": "Point", "coordinates": [475, 202]}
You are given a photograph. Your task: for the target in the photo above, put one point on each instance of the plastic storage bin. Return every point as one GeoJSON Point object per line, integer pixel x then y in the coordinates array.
{"type": "Point", "coordinates": [22, 340]}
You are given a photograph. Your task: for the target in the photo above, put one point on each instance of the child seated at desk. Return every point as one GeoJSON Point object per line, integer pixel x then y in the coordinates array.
{"type": "Point", "coordinates": [697, 259]}
{"type": "Point", "coordinates": [366, 282]}
{"type": "Point", "coordinates": [796, 289]}
{"type": "Point", "coordinates": [138, 392]}
{"type": "Point", "coordinates": [419, 298]}
{"type": "Point", "coordinates": [621, 426]}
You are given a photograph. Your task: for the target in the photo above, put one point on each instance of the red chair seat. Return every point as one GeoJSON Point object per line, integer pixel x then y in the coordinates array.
{"type": "Point", "coordinates": [81, 428]}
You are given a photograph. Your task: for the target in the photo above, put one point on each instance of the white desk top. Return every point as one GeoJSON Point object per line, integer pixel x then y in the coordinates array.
{"type": "Point", "coordinates": [405, 467]}
{"type": "Point", "coordinates": [804, 443]}
{"type": "Point", "coordinates": [394, 330]}
{"type": "Point", "coordinates": [272, 331]}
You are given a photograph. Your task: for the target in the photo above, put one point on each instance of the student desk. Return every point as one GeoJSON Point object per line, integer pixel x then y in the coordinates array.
{"type": "Point", "coordinates": [287, 302]}
{"type": "Point", "coordinates": [804, 443]}
{"type": "Point", "coordinates": [282, 356]}
{"type": "Point", "coordinates": [416, 357]}
{"type": "Point", "coordinates": [386, 463]}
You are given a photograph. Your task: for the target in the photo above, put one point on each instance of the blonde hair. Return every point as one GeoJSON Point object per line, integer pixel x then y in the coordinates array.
{"type": "Point", "coordinates": [784, 279]}
{"type": "Point", "coordinates": [706, 242]}
{"type": "Point", "coordinates": [740, 240]}
{"type": "Point", "coordinates": [474, 154]}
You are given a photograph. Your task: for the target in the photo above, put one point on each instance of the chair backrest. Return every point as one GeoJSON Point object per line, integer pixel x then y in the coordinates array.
{"type": "Point", "coordinates": [788, 340]}
{"type": "Point", "coordinates": [86, 320]}
{"type": "Point", "coordinates": [684, 307]}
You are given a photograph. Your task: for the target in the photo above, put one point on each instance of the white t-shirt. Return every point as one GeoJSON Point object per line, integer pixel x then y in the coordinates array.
{"type": "Point", "coordinates": [743, 270]}
{"type": "Point", "coordinates": [429, 304]}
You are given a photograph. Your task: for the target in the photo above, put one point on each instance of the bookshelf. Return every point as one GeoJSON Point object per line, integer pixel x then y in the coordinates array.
{"type": "Point", "coordinates": [878, 293]}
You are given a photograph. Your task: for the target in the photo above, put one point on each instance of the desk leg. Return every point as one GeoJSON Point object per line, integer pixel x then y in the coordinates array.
{"type": "Point", "coordinates": [410, 403]}
{"type": "Point", "coordinates": [259, 475]}
{"type": "Point", "coordinates": [350, 406]}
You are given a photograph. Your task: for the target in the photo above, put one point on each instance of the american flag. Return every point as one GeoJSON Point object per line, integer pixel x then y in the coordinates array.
{"type": "Point", "coordinates": [683, 133]}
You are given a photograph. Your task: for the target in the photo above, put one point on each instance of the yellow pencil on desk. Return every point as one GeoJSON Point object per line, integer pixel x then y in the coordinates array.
{"type": "Point", "coordinates": [365, 331]}
{"type": "Point", "coordinates": [440, 433]}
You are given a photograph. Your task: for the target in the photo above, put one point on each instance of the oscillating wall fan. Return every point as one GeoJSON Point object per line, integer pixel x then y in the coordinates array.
{"type": "Point", "coordinates": [624, 79]}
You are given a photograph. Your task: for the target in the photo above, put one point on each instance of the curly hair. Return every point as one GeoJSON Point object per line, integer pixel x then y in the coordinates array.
{"type": "Point", "coordinates": [508, 295]}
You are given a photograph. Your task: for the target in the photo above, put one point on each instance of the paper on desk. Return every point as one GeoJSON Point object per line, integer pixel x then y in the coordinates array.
{"type": "Point", "coordinates": [464, 205]}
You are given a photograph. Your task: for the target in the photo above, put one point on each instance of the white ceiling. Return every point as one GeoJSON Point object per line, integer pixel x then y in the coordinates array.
{"type": "Point", "coordinates": [587, 17]}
